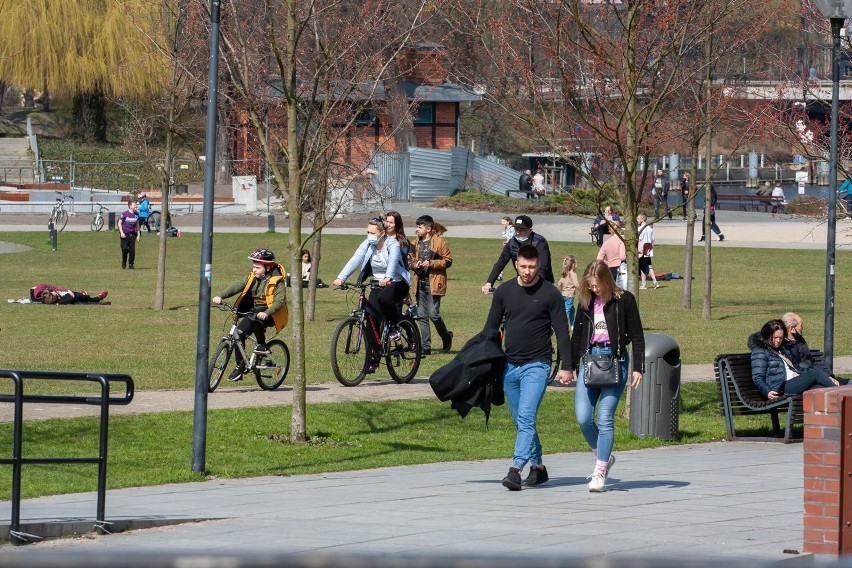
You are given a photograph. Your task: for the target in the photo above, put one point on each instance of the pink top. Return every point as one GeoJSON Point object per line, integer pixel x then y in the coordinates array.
{"type": "Point", "coordinates": [600, 333]}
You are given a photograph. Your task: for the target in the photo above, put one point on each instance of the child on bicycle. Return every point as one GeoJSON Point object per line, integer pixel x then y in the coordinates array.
{"type": "Point", "coordinates": [262, 294]}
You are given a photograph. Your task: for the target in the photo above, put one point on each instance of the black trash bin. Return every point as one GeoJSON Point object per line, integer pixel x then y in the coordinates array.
{"type": "Point", "coordinates": [655, 405]}
{"type": "Point", "coordinates": [111, 221]}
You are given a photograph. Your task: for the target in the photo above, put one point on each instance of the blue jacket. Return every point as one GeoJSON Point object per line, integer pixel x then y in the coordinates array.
{"type": "Point", "coordinates": [396, 267]}
{"type": "Point", "coordinates": [768, 370]}
{"type": "Point", "coordinates": [144, 208]}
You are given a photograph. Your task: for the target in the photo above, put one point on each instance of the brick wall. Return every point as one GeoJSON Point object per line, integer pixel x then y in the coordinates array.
{"type": "Point", "coordinates": [822, 469]}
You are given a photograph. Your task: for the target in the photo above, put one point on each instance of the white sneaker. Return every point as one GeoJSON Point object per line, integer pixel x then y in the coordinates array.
{"type": "Point", "coordinates": [642, 287]}
{"type": "Point", "coordinates": [598, 482]}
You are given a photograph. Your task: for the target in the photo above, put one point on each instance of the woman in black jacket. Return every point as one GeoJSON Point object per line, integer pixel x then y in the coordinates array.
{"type": "Point", "coordinates": [607, 322]}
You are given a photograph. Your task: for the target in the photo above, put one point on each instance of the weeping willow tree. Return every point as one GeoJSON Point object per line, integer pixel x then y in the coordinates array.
{"type": "Point", "coordinates": [85, 49]}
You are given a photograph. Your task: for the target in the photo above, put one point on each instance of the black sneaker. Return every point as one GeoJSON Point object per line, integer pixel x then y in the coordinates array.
{"type": "Point", "coordinates": [237, 374]}
{"type": "Point", "coordinates": [721, 237]}
{"type": "Point", "coordinates": [512, 481]}
{"type": "Point", "coordinates": [536, 476]}
{"type": "Point", "coordinates": [448, 343]}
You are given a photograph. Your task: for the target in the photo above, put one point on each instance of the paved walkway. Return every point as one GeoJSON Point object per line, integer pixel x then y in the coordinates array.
{"type": "Point", "coordinates": [735, 501]}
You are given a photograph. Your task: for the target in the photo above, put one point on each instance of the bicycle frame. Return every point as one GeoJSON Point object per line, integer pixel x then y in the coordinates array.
{"type": "Point", "coordinates": [364, 317]}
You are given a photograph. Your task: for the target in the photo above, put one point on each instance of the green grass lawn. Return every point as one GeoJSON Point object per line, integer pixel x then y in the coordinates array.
{"type": "Point", "coordinates": [158, 350]}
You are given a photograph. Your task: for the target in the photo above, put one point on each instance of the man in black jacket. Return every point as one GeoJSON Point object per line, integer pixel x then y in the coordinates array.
{"type": "Point", "coordinates": [798, 349]}
{"type": "Point", "coordinates": [530, 310]}
{"type": "Point", "coordinates": [524, 235]}
{"type": "Point", "coordinates": [525, 183]}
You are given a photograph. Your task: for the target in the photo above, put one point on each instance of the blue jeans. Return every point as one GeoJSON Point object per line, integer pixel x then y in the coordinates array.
{"type": "Point", "coordinates": [600, 435]}
{"type": "Point", "coordinates": [524, 386]}
{"type": "Point", "coordinates": [569, 309]}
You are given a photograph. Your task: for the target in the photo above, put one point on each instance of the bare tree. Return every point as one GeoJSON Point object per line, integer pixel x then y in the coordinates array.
{"type": "Point", "coordinates": [304, 87]}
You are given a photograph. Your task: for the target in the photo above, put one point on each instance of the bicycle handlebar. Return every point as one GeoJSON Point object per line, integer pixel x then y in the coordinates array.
{"type": "Point", "coordinates": [372, 284]}
{"type": "Point", "coordinates": [65, 196]}
{"type": "Point", "coordinates": [226, 307]}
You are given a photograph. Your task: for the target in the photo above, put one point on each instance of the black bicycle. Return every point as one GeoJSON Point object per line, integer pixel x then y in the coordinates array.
{"type": "Point", "coordinates": [269, 362]}
{"type": "Point", "coordinates": [363, 339]}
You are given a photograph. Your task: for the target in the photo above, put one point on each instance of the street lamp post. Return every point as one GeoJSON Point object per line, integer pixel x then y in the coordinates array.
{"type": "Point", "coordinates": [836, 11]}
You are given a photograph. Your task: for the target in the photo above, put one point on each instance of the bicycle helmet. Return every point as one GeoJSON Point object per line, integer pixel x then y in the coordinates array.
{"type": "Point", "coordinates": [263, 256]}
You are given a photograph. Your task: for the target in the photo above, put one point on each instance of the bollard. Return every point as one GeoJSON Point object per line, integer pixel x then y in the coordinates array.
{"type": "Point", "coordinates": [111, 221]}
{"type": "Point", "coordinates": [270, 223]}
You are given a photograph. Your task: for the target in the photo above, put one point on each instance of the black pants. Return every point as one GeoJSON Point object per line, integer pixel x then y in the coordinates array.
{"type": "Point", "coordinates": [713, 226]}
{"type": "Point", "coordinates": [248, 325]}
{"type": "Point", "coordinates": [810, 379]}
{"type": "Point", "coordinates": [128, 250]}
{"type": "Point", "coordinates": [388, 299]}
{"type": "Point", "coordinates": [143, 222]}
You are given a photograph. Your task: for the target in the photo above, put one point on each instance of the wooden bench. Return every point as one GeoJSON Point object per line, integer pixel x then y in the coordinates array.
{"type": "Point", "coordinates": [751, 201]}
{"type": "Point", "coordinates": [523, 192]}
{"type": "Point", "coordinates": [739, 396]}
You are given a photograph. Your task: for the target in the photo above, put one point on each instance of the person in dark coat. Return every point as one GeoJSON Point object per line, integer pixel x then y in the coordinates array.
{"type": "Point", "coordinates": [524, 235]}
{"type": "Point", "coordinates": [525, 183]}
{"type": "Point", "coordinates": [798, 350]}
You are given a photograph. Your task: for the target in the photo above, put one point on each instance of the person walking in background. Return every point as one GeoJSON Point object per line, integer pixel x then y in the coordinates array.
{"type": "Point", "coordinates": [431, 257]}
{"type": "Point", "coordinates": [660, 193]}
{"type": "Point", "coordinates": [607, 322]}
{"type": "Point", "coordinates": [684, 193]}
{"type": "Point", "coordinates": [646, 251]}
{"type": "Point", "coordinates": [714, 199]}
{"type": "Point", "coordinates": [507, 234]}
{"type": "Point", "coordinates": [568, 285]}
{"type": "Point", "coordinates": [128, 231]}
{"type": "Point", "coordinates": [395, 228]}
{"type": "Point", "coordinates": [523, 235]}
{"type": "Point", "coordinates": [612, 252]}
{"type": "Point", "coordinates": [530, 310]}
{"type": "Point", "coordinates": [144, 213]}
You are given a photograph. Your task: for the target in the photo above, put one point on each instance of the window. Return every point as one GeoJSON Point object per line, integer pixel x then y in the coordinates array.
{"type": "Point", "coordinates": [425, 114]}
{"type": "Point", "coordinates": [366, 117]}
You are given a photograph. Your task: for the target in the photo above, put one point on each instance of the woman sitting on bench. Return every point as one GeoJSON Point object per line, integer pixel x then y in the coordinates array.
{"type": "Point", "coordinates": [772, 369]}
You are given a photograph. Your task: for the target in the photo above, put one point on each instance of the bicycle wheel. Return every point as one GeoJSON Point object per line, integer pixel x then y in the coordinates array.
{"type": "Point", "coordinates": [97, 223]}
{"type": "Point", "coordinates": [154, 221]}
{"type": "Point", "coordinates": [349, 352]}
{"type": "Point", "coordinates": [219, 364]}
{"type": "Point", "coordinates": [272, 369]}
{"type": "Point", "coordinates": [61, 220]}
{"type": "Point", "coordinates": [404, 354]}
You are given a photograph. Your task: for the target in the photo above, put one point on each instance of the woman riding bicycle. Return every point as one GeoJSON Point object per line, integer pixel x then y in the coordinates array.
{"type": "Point", "coordinates": [263, 294]}
{"type": "Point", "coordinates": [380, 256]}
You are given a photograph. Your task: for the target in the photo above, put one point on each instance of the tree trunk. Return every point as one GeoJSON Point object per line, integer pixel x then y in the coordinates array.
{"type": "Point", "coordinates": [298, 421]}
{"type": "Point", "coordinates": [2, 94]}
{"type": "Point", "coordinates": [689, 250]}
{"type": "Point", "coordinates": [90, 116]}
{"type": "Point", "coordinates": [708, 179]}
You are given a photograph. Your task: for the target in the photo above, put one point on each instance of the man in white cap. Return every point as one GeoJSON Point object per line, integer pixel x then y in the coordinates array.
{"type": "Point", "coordinates": [524, 235]}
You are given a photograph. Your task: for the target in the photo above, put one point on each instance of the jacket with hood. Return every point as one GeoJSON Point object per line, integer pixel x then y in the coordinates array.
{"type": "Point", "coordinates": [768, 370]}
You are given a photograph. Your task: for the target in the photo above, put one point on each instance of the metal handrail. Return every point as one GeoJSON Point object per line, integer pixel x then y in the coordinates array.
{"type": "Point", "coordinates": [104, 400]}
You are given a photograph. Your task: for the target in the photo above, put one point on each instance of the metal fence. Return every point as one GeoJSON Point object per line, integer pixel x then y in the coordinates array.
{"type": "Point", "coordinates": [424, 174]}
